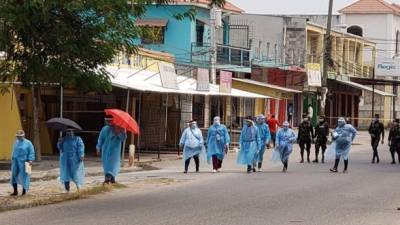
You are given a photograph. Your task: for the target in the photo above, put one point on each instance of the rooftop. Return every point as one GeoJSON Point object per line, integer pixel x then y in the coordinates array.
{"type": "Point", "coordinates": [371, 7]}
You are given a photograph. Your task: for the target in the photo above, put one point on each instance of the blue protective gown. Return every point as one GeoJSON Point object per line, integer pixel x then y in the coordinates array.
{"type": "Point", "coordinates": [72, 150]}
{"type": "Point", "coordinates": [217, 138]}
{"type": "Point", "coordinates": [23, 151]}
{"type": "Point", "coordinates": [265, 136]}
{"type": "Point", "coordinates": [192, 142]}
{"type": "Point", "coordinates": [250, 144]}
{"type": "Point", "coordinates": [346, 135]}
{"type": "Point", "coordinates": [284, 143]}
{"type": "Point", "coordinates": [109, 144]}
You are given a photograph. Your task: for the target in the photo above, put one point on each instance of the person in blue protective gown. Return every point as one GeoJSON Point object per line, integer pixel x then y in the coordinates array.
{"type": "Point", "coordinates": [250, 145]}
{"type": "Point", "coordinates": [285, 138]}
{"type": "Point", "coordinates": [109, 146]}
{"type": "Point", "coordinates": [192, 143]}
{"type": "Point", "coordinates": [218, 140]}
{"type": "Point", "coordinates": [265, 136]}
{"type": "Point", "coordinates": [72, 153]}
{"type": "Point", "coordinates": [23, 152]}
{"type": "Point", "coordinates": [342, 137]}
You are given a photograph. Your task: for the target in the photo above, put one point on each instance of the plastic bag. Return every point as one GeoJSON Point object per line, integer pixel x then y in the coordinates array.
{"type": "Point", "coordinates": [276, 156]}
{"type": "Point", "coordinates": [330, 154]}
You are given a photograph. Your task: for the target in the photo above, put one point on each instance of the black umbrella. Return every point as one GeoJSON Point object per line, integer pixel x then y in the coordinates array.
{"type": "Point", "coordinates": [62, 124]}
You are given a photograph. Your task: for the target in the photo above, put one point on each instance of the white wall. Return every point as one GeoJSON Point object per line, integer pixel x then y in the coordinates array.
{"type": "Point", "coordinates": [377, 28]}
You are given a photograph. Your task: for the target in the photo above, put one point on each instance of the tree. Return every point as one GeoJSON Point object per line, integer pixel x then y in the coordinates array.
{"type": "Point", "coordinates": [67, 41]}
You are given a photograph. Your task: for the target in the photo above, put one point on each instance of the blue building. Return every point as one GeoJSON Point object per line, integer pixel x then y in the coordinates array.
{"type": "Point", "coordinates": [189, 39]}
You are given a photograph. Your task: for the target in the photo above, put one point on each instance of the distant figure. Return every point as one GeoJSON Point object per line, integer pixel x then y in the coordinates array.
{"type": "Point", "coordinates": [342, 137]}
{"type": "Point", "coordinates": [23, 154]}
{"type": "Point", "coordinates": [321, 136]}
{"type": "Point", "coordinates": [310, 112]}
{"type": "Point", "coordinates": [376, 130]}
{"type": "Point", "coordinates": [290, 114]}
{"type": "Point", "coordinates": [394, 140]}
{"type": "Point", "coordinates": [285, 139]}
{"type": "Point", "coordinates": [265, 136]}
{"type": "Point", "coordinates": [192, 143]}
{"type": "Point", "coordinates": [304, 138]}
{"type": "Point", "coordinates": [250, 145]}
{"type": "Point", "coordinates": [72, 153]}
{"type": "Point", "coordinates": [217, 143]}
{"type": "Point", "coordinates": [273, 125]}
{"type": "Point", "coordinates": [109, 146]}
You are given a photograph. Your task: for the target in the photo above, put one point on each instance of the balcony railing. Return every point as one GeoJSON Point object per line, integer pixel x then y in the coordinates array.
{"type": "Point", "coordinates": [226, 55]}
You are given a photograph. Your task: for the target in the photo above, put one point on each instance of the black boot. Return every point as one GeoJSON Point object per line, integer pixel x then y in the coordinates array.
{"type": "Point", "coordinates": [66, 186]}
{"type": "Point", "coordinates": [316, 156]}
{"type": "Point", "coordinates": [334, 169]}
{"type": "Point", "coordinates": [308, 156]}
{"type": "Point", "coordinates": [248, 168]}
{"type": "Point", "coordinates": [285, 166]}
{"type": "Point", "coordinates": [23, 191]}
{"type": "Point", "coordinates": [302, 157]}
{"type": "Point", "coordinates": [346, 163]}
{"type": "Point", "coordinates": [323, 156]}
{"type": "Point", "coordinates": [377, 157]}
{"type": "Point", "coordinates": [112, 179]}
{"type": "Point", "coordinates": [15, 187]}
{"type": "Point", "coordinates": [393, 160]}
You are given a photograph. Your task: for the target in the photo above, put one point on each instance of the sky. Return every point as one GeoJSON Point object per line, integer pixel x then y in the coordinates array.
{"type": "Point", "coordinates": [292, 6]}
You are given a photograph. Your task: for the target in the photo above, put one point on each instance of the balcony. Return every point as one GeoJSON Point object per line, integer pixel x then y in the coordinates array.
{"type": "Point", "coordinates": [226, 55]}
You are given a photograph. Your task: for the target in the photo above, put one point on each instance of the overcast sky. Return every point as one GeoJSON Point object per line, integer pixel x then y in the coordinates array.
{"type": "Point", "coordinates": [292, 6]}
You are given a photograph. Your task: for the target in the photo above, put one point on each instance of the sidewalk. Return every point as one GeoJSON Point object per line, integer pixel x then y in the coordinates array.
{"type": "Point", "coordinates": [48, 168]}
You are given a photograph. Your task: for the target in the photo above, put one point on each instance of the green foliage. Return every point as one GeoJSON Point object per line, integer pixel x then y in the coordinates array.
{"type": "Point", "coordinates": [68, 41]}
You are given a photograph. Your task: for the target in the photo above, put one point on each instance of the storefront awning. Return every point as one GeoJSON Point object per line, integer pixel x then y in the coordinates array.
{"type": "Point", "coordinates": [272, 90]}
{"type": "Point", "coordinates": [151, 22]}
{"type": "Point", "coordinates": [363, 87]}
{"type": "Point", "coordinates": [148, 81]}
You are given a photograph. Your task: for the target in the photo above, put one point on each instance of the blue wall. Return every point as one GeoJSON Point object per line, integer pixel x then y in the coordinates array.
{"type": "Point", "coordinates": [180, 34]}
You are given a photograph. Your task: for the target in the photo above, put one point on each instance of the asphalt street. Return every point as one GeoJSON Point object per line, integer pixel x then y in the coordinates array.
{"type": "Point", "coordinates": [308, 194]}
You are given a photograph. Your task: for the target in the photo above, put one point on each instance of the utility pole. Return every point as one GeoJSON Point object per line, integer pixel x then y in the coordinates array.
{"type": "Point", "coordinates": [326, 59]}
{"type": "Point", "coordinates": [213, 47]}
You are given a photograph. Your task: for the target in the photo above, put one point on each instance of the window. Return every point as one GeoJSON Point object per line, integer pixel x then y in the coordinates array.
{"type": "Point", "coordinates": [199, 33]}
{"type": "Point", "coordinates": [356, 30]}
{"type": "Point", "coordinates": [153, 35]}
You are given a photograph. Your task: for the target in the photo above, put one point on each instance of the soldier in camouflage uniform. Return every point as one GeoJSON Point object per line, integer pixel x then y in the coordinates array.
{"type": "Point", "coordinates": [394, 140]}
{"type": "Point", "coordinates": [321, 136]}
{"type": "Point", "coordinates": [376, 130]}
{"type": "Point", "coordinates": [306, 132]}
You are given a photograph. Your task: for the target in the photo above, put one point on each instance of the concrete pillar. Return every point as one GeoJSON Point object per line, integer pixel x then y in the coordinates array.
{"type": "Point", "coordinates": [206, 111]}
{"type": "Point", "coordinates": [228, 110]}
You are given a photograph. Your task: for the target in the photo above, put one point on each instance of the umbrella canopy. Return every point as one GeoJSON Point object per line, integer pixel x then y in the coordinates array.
{"type": "Point", "coordinates": [123, 119]}
{"type": "Point", "coordinates": [62, 124]}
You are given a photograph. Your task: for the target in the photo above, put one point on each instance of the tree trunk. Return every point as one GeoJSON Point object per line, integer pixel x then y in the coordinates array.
{"type": "Point", "coordinates": [36, 128]}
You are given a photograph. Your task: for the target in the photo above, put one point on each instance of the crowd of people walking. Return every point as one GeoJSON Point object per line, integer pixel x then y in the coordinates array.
{"type": "Point", "coordinates": [257, 135]}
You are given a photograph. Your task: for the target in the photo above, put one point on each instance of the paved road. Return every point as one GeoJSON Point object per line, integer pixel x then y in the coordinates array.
{"type": "Point", "coordinates": [307, 194]}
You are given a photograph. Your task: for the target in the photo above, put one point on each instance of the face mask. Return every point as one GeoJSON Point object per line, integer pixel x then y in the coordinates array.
{"type": "Point", "coordinates": [20, 138]}
{"type": "Point", "coordinates": [70, 133]}
{"type": "Point", "coordinates": [217, 121]}
{"type": "Point", "coordinates": [285, 128]}
{"type": "Point", "coordinates": [249, 124]}
{"type": "Point", "coordinates": [193, 126]}
{"type": "Point", "coordinates": [341, 123]}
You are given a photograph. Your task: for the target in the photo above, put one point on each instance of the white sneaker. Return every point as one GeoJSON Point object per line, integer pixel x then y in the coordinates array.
{"type": "Point", "coordinates": [218, 170]}
{"type": "Point", "coordinates": [260, 170]}
{"type": "Point", "coordinates": [214, 171]}
{"type": "Point", "coordinates": [66, 192]}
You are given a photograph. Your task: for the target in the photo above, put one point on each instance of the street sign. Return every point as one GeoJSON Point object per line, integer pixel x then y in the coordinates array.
{"type": "Point", "coordinates": [387, 67]}
{"type": "Point", "coordinates": [314, 75]}
{"type": "Point", "coordinates": [168, 75]}
{"type": "Point", "coordinates": [225, 82]}
{"type": "Point", "coordinates": [203, 80]}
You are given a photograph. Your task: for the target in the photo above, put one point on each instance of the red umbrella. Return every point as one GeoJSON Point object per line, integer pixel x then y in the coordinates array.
{"type": "Point", "coordinates": [123, 120]}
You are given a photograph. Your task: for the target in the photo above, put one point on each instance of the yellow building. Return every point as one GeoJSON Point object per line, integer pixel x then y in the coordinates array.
{"type": "Point", "coordinates": [353, 60]}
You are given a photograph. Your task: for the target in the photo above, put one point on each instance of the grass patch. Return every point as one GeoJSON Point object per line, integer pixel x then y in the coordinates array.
{"type": "Point", "coordinates": [14, 203]}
